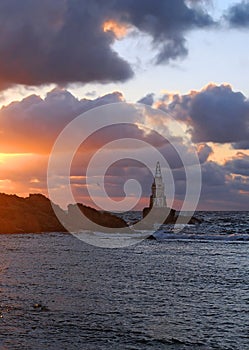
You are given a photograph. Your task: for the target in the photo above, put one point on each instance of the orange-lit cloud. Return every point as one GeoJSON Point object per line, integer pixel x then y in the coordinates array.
{"type": "Point", "coordinates": [33, 124]}
{"type": "Point", "coordinates": [223, 152]}
{"type": "Point", "coordinates": [120, 30]}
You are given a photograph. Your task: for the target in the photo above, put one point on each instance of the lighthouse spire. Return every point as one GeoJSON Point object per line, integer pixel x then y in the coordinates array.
{"type": "Point", "coordinates": [157, 198]}
{"type": "Point", "coordinates": [158, 170]}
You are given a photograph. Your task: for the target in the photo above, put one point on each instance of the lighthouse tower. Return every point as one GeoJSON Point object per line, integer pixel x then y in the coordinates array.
{"type": "Point", "coordinates": [157, 198]}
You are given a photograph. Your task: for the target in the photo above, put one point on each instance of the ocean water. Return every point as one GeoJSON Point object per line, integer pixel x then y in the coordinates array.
{"type": "Point", "coordinates": [186, 290]}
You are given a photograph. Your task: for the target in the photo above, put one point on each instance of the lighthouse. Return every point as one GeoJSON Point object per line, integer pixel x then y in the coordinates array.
{"type": "Point", "coordinates": [157, 198]}
{"type": "Point", "coordinates": [158, 212]}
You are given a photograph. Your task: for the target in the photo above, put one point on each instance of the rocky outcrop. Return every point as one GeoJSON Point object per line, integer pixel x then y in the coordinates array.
{"type": "Point", "coordinates": [154, 215]}
{"type": "Point", "coordinates": [191, 220]}
{"type": "Point", "coordinates": [31, 214]}
{"type": "Point", "coordinates": [35, 214]}
{"type": "Point", "coordinates": [103, 219]}
{"type": "Point", "coordinates": [157, 214]}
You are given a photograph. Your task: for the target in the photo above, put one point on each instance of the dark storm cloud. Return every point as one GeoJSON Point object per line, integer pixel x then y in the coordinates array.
{"type": "Point", "coordinates": [239, 164]}
{"type": "Point", "coordinates": [220, 115]}
{"type": "Point", "coordinates": [213, 174]}
{"type": "Point", "coordinates": [63, 41]}
{"type": "Point", "coordinates": [147, 100]}
{"type": "Point", "coordinates": [238, 15]}
{"type": "Point", "coordinates": [220, 190]}
{"type": "Point", "coordinates": [166, 22]}
{"type": "Point", "coordinates": [214, 114]}
{"type": "Point", "coordinates": [241, 145]}
{"type": "Point", "coordinates": [56, 41]}
{"type": "Point", "coordinates": [204, 151]}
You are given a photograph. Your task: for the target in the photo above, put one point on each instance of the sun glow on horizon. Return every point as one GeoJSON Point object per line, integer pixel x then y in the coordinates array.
{"type": "Point", "coordinates": [7, 156]}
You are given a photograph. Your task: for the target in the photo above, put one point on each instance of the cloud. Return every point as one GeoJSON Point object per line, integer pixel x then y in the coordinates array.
{"type": "Point", "coordinates": [67, 41]}
{"type": "Point", "coordinates": [239, 164]}
{"type": "Point", "coordinates": [213, 174]}
{"type": "Point", "coordinates": [204, 151]}
{"type": "Point", "coordinates": [166, 22]}
{"type": "Point", "coordinates": [147, 100]}
{"type": "Point", "coordinates": [57, 42]}
{"type": "Point", "coordinates": [33, 124]}
{"type": "Point", "coordinates": [91, 93]}
{"type": "Point", "coordinates": [238, 15]}
{"type": "Point", "coordinates": [221, 190]}
{"type": "Point", "coordinates": [214, 114]}
{"type": "Point", "coordinates": [241, 145]}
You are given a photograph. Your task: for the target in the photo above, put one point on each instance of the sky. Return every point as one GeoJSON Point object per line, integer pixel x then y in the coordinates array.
{"type": "Point", "coordinates": [189, 59]}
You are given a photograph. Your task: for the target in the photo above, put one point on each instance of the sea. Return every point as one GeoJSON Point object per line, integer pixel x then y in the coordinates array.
{"type": "Point", "coordinates": [183, 290]}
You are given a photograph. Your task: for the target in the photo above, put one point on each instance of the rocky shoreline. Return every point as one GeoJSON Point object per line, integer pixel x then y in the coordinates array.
{"type": "Point", "coordinates": [35, 214]}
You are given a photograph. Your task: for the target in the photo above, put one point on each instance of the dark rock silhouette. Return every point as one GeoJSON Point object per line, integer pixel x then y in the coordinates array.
{"type": "Point", "coordinates": [168, 214]}
{"type": "Point", "coordinates": [103, 219]}
{"type": "Point", "coordinates": [35, 214]}
{"type": "Point", "coordinates": [151, 238]}
{"type": "Point", "coordinates": [27, 215]}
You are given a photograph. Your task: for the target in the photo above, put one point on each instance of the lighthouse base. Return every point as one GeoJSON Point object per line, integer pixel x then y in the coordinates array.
{"type": "Point", "coordinates": [154, 215]}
